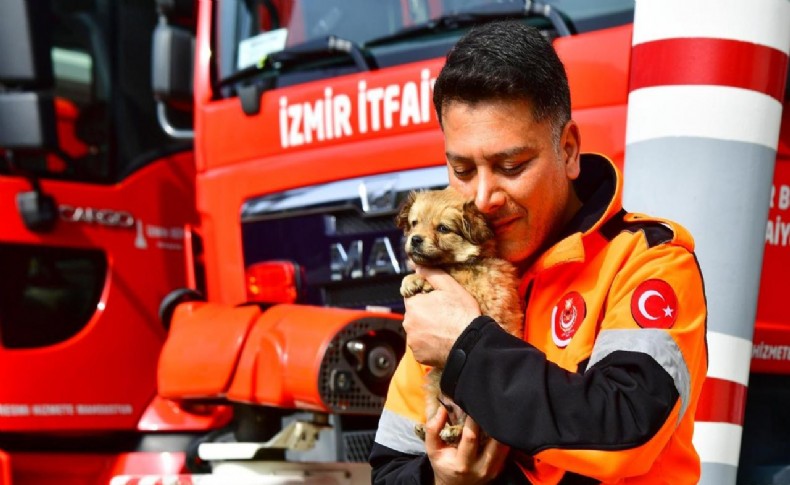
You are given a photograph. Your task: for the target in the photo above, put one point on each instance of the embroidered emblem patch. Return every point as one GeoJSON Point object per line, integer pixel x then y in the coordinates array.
{"type": "Point", "coordinates": [654, 304]}
{"type": "Point", "coordinates": [566, 318]}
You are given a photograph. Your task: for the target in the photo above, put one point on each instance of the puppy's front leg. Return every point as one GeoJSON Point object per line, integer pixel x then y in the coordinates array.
{"type": "Point", "coordinates": [413, 284]}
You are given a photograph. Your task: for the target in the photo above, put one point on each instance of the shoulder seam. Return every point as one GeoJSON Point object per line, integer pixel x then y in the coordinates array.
{"type": "Point", "coordinates": [656, 232]}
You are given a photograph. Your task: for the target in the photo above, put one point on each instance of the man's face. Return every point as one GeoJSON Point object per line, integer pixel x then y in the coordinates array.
{"type": "Point", "coordinates": [519, 177]}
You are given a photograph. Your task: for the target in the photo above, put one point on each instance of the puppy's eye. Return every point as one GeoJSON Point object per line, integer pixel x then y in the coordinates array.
{"type": "Point", "coordinates": [413, 223]}
{"type": "Point", "coordinates": [442, 229]}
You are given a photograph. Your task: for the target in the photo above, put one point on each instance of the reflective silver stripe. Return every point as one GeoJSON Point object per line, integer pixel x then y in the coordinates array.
{"type": "Point", "coordinates": [397, 433]}
{"type": "Point", "coordinates": [656, 343]}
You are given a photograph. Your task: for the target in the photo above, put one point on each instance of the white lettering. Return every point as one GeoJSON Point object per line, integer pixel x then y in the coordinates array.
{"type": "Point", "coordinates": [53, 410]}
{"type": "Point", "coordinates": [295, 137]}
{"type": "Point", "coordinates": [90, 215]}
{"type": "Point", "coordinates": [313, 121]}
{"type": "Point", "coordinates": [377, 108]}
{"type": "Point", "coordinates": [104, 409]}
{"type": "Point", "coordinates": [362, 109]}
{"type": "Point", "coordinates": [391, 103]}
{"type": "Point", "coordinates": [65, 409]}
{"type": "Point", "coordinates": [426, 88]}
{"type": "Point", "coordinates": [342, 114]}
{"type": "Point", "coordinates": [374, 98]}
{"type": "Point", "coordinates": [777, 233]}
{"type": "Point", "coordinates": [283, 122]}
{"type": "Point", "coordinates": [784, 197]}
{"type": "Point", "coordinates": [410, 105]}
{"type": "Point", "coordinates": [14, 410]}
{"type": "Point", "coordinates": [773, 196]}
{"type": "Point", "coordinates": [328, 113]}
{"type": "Point", "coordinates": [765, 351]}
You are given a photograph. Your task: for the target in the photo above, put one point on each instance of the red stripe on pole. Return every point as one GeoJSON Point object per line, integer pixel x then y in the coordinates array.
{"type": "Point", "coordinates": [721, 401]}
{"type": "Point", "coordinates": [708, 61]}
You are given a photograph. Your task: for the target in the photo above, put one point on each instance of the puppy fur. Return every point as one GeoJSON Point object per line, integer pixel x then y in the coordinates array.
{"type": "Point", "coordinates": [444, 230]}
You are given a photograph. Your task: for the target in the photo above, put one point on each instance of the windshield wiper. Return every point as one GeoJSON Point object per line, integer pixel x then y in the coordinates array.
{"type": "Point", "coordinates": [271, 66]}
{"type": "Point", "coordinates": [311, 50]}
{"type": "Point", "coordinates": [483, 13]}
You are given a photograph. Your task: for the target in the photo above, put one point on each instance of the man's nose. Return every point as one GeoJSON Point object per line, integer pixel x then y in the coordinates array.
{"type": "Point", "coordinates": [489, 196]}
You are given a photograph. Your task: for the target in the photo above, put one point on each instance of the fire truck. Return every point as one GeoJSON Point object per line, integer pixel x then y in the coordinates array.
{"type": "Point", "coordinates": [311, 121]}
{"type": "Point", "coordinates": [95, 198]}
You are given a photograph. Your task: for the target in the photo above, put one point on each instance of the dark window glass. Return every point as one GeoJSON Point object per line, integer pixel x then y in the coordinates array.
{"type": "Point", "coordinates": [765, 446]}
{"type": "Point", "coordinates": [47, 294]}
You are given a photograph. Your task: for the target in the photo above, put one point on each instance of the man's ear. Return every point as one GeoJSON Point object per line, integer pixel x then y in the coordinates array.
{"type": "Point", "coordinates": [570, 148]}
{"type": "Point", "coordinates": [475, 226]}
{"type": "Point", "coordinates": [402, 219]}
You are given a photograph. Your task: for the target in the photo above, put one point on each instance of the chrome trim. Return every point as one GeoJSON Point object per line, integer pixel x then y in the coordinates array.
{"type": "Point", "coordinates": [343, 194]}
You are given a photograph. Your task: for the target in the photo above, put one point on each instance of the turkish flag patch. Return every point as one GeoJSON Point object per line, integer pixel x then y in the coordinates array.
{"type": "Point", "coordinates": [654, 304]}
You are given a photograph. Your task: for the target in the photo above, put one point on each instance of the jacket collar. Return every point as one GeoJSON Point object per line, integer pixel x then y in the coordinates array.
{"type": "Point", "coordinates": [599, 187]}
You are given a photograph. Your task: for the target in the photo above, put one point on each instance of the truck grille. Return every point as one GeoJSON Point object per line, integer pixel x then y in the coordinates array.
{"type": "Point", "coordinates": [342, 234]}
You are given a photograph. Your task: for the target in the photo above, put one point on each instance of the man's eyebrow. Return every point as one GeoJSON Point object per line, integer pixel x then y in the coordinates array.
{"type": "Point", "coordinates": [501, 155]}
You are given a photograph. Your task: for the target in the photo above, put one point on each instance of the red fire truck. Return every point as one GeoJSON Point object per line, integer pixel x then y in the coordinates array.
{"type": "Point", "coordinates": [94, 201]}
{"type": "Point", "coordinates": [312, 120]}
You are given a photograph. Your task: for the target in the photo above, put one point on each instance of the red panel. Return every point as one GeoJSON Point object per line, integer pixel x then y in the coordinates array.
{"type": "Point", "coordinates": [721, 401]}
{"type": "Point", "coordinates": [772, 302]}
{"type": "Point", "coordinates": [59, 468]}
{"type": "Point", "coordinates": [771, 351]}
{"type": "Point", "coordinates": [104, 376]}
{"type": "Point", "coordinates": [199, 357]}
{"type": "Point", "coordinates": [597, 67]}
{"type": "Point", "coordinates": [5, 468]}
{"type": "Point", "coordinates": [704, 61]}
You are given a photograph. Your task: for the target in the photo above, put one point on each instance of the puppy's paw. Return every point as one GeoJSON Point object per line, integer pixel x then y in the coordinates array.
{"type": "Point", "coordinates": [451, 434]}
{"type": "Point", "coordinates": [419, 430]}
{"type": "Point", "coordinates": [413, 284]}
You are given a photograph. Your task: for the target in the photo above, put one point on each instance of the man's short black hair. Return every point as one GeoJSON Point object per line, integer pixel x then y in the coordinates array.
{"type": "Point", "coordinates": [506, 60]}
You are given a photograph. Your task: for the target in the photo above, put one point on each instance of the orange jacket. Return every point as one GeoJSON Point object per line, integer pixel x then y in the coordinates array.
{"type": "Point", "coordinates": [604, 385]}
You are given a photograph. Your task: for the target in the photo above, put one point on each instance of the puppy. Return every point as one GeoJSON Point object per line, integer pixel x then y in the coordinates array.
{"type": "Point", "coordinates": [444, 230]}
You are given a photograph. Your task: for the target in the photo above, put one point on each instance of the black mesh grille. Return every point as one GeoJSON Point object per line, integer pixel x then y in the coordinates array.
{"type": "Point", "coordinates": [361, 392]}
{"type": "Point", "coordinates": [351, 223]}
{"type": "Point", "coordinates": [385, 292]}
{"type": "Point", "coordinates": [357, 445]}
{"type": "Point", "coordinates": [308, 241]}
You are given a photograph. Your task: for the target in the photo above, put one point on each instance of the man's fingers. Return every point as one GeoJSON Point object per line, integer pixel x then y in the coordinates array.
{"type": "Point", "coordinates": [494, 454]}
{"type": "Point", "coordinates": [468, 446]}
{"type": "Point", "coordinates": [439, 279]}
{"type": "Point", "coordinates": [433, 427]}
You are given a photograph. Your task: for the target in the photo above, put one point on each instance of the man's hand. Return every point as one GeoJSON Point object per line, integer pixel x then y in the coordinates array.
{"type": "Point", "coordinates": [472, 462]}
{"type": "Point", "coordinates": [433, 321]}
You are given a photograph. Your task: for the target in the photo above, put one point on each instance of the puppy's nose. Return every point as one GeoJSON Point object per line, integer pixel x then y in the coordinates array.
{"type": "Point", "coordinates": [416, 240]}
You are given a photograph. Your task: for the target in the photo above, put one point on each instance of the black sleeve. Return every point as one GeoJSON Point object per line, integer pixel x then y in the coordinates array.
{"type": "Point", "coordinates": [392, 467]}
{"type": "Point", "coordinates": [523, 400]}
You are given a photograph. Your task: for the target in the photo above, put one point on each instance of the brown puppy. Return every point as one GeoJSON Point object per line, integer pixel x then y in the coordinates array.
{"type": "Point", "coordinates": [444, 230]}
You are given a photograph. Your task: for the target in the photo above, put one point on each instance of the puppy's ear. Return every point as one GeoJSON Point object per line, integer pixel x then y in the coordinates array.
{"type": "Point", "coordinates": [475, 226]}
{"type": "Point", "coordinates": [402, 219]}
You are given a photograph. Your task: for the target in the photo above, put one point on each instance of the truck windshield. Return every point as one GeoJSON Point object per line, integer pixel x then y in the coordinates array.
{"type": "Point", "coordinates": [280, 36]}
{"type": "Point", "coordinates": [104, 107]}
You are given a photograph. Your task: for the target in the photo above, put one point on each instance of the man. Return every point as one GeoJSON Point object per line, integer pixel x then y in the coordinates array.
{"type": "Point", "coordinates": [604, 385]}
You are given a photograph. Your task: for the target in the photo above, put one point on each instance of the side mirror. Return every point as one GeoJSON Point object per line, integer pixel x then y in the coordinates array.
{"type": "Point", "coordinates": [172, 56]}
{"type": "Point", "coordinates": [171, 64]}
{"type": "Point", "coordinates": [27, 109]}
{"type": "Point", "coordinates": [27, 121]}
{"type": "Point", "coordinates": [25, 59]}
